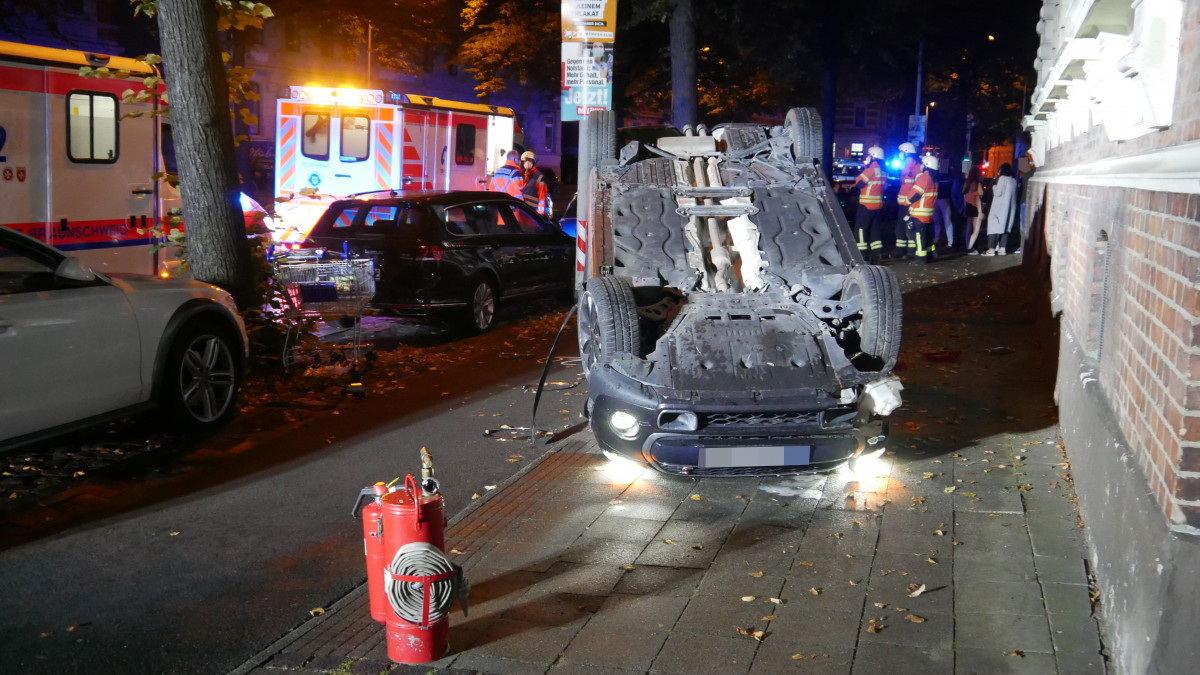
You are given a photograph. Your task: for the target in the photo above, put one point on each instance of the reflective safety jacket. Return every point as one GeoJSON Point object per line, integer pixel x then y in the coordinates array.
{"type": "Point", "coordinates": [870, 184]}
{"type": "Point", "coordinates": [535, 192]}
{"type": "Point", "coordinates": [924, 194]}
{"type": "Point", "coordinates": [508, 178]}
{"type": "Point", "coordinates": [912, 168]}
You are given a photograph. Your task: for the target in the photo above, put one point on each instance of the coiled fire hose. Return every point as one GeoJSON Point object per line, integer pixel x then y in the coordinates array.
{"type": "Point", "coordinates": [421, 584]}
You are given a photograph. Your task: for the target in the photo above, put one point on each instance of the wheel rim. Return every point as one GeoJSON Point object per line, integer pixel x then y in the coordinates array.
{"type": "Point", "coordinates": [207, 378]}
{"type": "Point", "coordinates": [483, 305]}
{"type": "Point", "coordinates": [590, 344]}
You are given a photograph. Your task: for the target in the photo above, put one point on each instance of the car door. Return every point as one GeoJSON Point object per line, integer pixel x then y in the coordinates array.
{"type": "Point", "coordinates": [70, 350]}
{"type": "Point", "coordinates": [543, 254]}
{"type": "Point", "coordinates": [493, 242]}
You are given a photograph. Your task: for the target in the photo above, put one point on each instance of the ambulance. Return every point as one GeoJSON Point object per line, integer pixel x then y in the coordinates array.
{"type": "Point", "coordinates": [74, 172]}
{"type": "Point", "coordinates": [332, 143]}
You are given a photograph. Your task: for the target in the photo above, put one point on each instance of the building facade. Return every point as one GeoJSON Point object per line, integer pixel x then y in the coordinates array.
{"type": "Point", "coordinates": [1114, 217]}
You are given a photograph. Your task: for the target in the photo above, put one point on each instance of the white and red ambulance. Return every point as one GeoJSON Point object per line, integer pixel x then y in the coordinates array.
{"type": "Point", "coordinates": [73, 172]}
{"type": "Point", "coordinates": [332, 143]}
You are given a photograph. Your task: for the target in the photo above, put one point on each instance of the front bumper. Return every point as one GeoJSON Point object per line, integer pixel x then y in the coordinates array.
{"type": "Point", "coordinates": [727, 435]}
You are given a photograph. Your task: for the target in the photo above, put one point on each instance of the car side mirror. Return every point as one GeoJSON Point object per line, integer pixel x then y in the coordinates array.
{"type": "Point", "coordinates": [70, 268]}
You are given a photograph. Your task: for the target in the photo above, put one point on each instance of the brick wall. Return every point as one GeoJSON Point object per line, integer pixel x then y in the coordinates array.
{"type": "Point", "coordinates": [1138, 317]}
{"type": "Point", "coordinates": [1138, 313]}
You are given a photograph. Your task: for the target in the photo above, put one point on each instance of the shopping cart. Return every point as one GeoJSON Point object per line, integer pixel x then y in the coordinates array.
{"type": "Point", "coordinates": [330, 290]}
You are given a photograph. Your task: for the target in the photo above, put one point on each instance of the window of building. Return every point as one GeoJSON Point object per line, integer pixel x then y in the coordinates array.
{"type": "Point", "coordinates": [92, 136]}
{"type": "Point", "coordinates": [356, 137]}
{"type": "Point", "coordinates": [464, 144]}
{"type": "Point", "coordinates": [549, 139]}
{"type": "Point", "coordinates": [860, 116]}
{"type": "Point", "coordinates": [314, 142]}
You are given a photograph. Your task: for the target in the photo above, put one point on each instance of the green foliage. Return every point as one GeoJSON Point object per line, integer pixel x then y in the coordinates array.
{"type": "Point", "coordinates": [512, 42]}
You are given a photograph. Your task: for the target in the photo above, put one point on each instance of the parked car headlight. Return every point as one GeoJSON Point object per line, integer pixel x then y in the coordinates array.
{"type": "Point", "coordinates": [624, 424]}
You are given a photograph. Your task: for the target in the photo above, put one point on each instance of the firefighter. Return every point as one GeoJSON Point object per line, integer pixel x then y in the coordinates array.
{"type": "Point", "coordinates": [868, 221]}
{"type": "Point", "coordinates": [509, 177]}
{"type": "Point", "coordinates": [535, 192]}
{"type": "Point", "coordinates": [919, 221]}
{"type": "Point", "coordinates": [908, 175]}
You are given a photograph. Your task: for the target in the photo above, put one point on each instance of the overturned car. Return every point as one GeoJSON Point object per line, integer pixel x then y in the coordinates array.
{"type": "Point", "coordinates": [727, 323]}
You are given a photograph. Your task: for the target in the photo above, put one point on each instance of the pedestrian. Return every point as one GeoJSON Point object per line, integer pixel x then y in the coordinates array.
{"type": "Point", "coordinates": [943, 221]}
{"type": "Point", "coordinates": [972, 197]}
{"type": "Point", "coordinates": [919, 220]}
{"type": "Point", "coordinates": [1004, 202]}
{"type": "Point", "coordinates": [536, 191]}
{"type": "Point", "coordinates": [908, 175]}
{"type": "Point", "coordinates": [868, 221]}
{"type": "Point", "coordinates": [509, 178]}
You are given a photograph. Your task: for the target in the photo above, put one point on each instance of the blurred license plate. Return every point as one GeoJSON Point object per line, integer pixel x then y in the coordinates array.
{"type": "Point", "coordinates": [771, 455]}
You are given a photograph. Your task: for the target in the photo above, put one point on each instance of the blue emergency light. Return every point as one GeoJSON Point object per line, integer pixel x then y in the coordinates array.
{"type": "Point", "coordinates": [895, 163]}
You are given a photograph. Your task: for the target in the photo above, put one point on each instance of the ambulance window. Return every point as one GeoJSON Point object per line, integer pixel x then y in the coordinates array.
{"type": "Point", "coordinates": [464, 144]}
{"type": "Point", "coordinates": [92, 127]}
{"type": "Point", "coordinates": [356, 137]}
{"type": "Point", "coordinates": [314, 144]}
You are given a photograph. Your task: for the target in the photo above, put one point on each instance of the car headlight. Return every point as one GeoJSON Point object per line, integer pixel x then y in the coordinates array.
{"type": "Point", "coordinates": [625, 424]}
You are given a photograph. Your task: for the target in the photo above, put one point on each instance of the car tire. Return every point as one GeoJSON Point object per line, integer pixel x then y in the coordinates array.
{"type": "Point", "coordinates": [879, 327]}
{"type": "Point", "coordinates": [201, 376]}
{"type": "Point", "coordinates": [601, 138]}
{"type": "Point", "coordinates": [804, 126]}
{"type": "Point", "coordinates": [608, 321]}
{"type": "Point", "coordinates": [481, 307]}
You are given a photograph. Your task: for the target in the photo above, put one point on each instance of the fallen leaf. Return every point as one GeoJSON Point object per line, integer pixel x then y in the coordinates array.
{"type": "Point", "coordinates": [696, 498]}
{"type": "Point", "coordinates": [775, 601]}
{"type": "Point", "coordinates": [815, 591]}
{"type": "Point", "coordinates": [967, 494]}
{"type": "Point", "coordinates": [875, 628]}
{"type": "Point", "coordinates": [1017, 653]}
{"type": "Point", "coordinates": [699, 547]}
{"type": "Point", "coordinates": [317, 611]}
{"type": "Point", "coordinates": [854, 583]}
{"type": "Point", "coordinates": [949, 489]}
{"type": "Point", "coordinates": [914, 618]}
{"type": "Point", "coordinates": [175, 533]}
{"type": "Point", "coordinates": [901, 609]}
{"type": "Point", "coordinates": [456, 551]}
{"type": "Point", "coordinates": [880, 605]}
{"type": "Point", "coordinates": [931, 560]}
{"type": "Point", "coordinates": [756, 634]}
{"type": "Point", "coordinates": [915, 590]}
{"type": "Point", "coordinates": [939, 533]}
{"type": "Point", "coordinates": [797, 657]}
{"type": "Point", "coordinates": [806, 563]}
{"type": "Point", "coordinates": [628, 566]}
{"type": "Point", "coordinates": [747, 598]}
{"type": "Point", "coordinates": [756, 575]}
{"type": "Point", "coordinates": [668, 541]}
{"type": "Point", "coordinates": [476, 496]}
{"type": "Point", "coordinates": [928, 474]}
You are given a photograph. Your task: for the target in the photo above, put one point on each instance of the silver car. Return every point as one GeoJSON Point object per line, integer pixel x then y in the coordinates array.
{"type": "Point", "coordinates": [78, 347]}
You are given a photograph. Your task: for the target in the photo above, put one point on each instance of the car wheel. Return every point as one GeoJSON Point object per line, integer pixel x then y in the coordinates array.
{"type": "Point", "coordinates": [608, 321]}
{"type": "Point", "coordinates": [601, 138]}
{"type": "Point", "coordinates": [879, 327]}
{"type": "Point", "coordinates": [200, 381]}
{"type": "Point", "coordinates": [804, 126]}
{"type": "Point", "coordinates": [481, 307]}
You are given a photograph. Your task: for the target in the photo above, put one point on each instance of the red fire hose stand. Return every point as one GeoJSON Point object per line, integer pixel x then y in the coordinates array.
{"type": "Point", "coordinates": [417, 583]}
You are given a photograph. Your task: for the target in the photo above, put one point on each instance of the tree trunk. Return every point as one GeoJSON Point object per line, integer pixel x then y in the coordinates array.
{"type": "Point", "coordinates": [218, 252]}
{"type": "Point", "coordinates": [683, 64]}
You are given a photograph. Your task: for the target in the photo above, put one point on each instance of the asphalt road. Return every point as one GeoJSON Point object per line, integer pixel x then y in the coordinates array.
{"type": "Point", "coordinates": [227, 559]}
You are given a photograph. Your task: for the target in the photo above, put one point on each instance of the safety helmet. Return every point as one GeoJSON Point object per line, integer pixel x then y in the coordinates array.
{"type": "Point", "coordinates": [908, 148]}
{"type": "Point", "coordinates": [528, 154]}
{"type": "Point", "coordinates": [875, 151]}
{"type": "Point", "coordinates": [930, 161]}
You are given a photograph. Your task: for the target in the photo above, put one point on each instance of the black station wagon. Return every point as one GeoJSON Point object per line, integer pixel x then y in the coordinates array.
{"type": "Point", "coordinates": [449, 254]}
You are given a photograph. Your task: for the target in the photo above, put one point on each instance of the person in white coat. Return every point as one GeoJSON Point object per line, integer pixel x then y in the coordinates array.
{"type": "Point", "coordinates": [1004, 203]}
